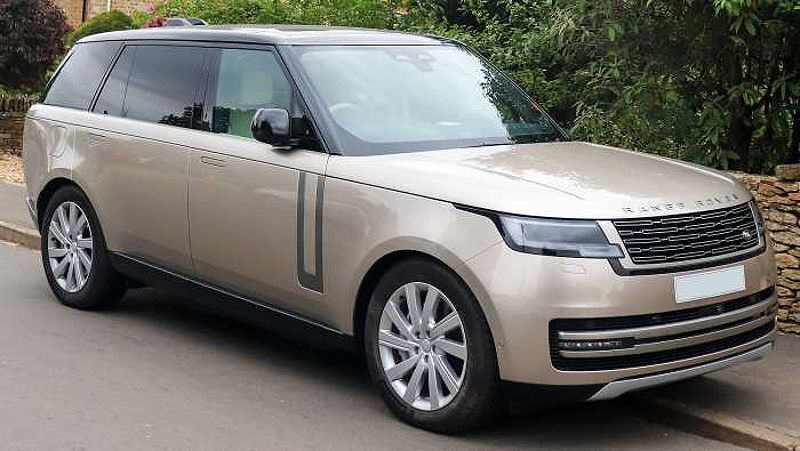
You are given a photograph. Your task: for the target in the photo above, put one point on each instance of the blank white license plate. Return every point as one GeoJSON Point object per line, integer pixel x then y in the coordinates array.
{"type": "Point", "coordinates": [709, 284]}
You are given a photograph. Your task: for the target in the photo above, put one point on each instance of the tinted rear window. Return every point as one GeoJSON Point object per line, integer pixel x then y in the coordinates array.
{"type": "Point", "coordinates": [112, 95]}
{"type": "Point", "coordinates": [164, 85]}
{"type": "Point", "coordinates": [78, 79]}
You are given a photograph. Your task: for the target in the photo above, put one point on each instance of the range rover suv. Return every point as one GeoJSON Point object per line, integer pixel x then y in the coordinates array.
{"type": "Point", "coordinates": [393, 194]}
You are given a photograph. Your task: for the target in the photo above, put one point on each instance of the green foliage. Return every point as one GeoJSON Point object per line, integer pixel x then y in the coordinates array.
{"type": "Point", "coordinates": [101, 23]}
{"type": "Point", "coordinates": [31, 39]}
{"type": "Point", "coordinates": [715, 82]}
{"type": "Point", "coordinates": [361, 13]}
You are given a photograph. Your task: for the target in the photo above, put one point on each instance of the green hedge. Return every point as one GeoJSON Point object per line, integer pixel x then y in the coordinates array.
{"type": "Point", "coordinates": [101, 23]}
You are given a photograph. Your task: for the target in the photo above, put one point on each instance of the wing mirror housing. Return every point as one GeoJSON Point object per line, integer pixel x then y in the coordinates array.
{"type": "Point", "coordinates": [271, 126]}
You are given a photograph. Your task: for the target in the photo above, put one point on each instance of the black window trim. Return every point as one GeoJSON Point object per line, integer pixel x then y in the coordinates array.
{"type": "Point", "coordinates": [296, 94]}
{"type": "Point", "coordinates": [207, 80]}
{"type": "Point", "coordinates": [97, 90]}
{"type": "Point", "coordinates": [107, 74]}
{"type": "Point", "coordinates": [198, 91]}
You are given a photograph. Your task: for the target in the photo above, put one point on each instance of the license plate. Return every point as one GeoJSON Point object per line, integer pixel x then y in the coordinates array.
{"type": "Point", "coordinates": [709, 284]}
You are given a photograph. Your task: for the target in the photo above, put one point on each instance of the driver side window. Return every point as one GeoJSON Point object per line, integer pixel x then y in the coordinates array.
{"type": "Point", "coordinates": [247, 80]}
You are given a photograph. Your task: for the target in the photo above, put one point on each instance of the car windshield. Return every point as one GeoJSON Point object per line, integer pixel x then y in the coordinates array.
{"type": "Point", "coordinates": [390, 99]}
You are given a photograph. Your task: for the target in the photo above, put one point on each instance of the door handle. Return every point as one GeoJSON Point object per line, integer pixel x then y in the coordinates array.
{"type": "Point", "coordinates": [97, 139]}
{"type": "Point", "coordinates": [218, 162]}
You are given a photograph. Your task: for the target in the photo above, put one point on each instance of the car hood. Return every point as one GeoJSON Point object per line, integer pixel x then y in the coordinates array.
{"type": "Point", "coordinates": [563, 180]}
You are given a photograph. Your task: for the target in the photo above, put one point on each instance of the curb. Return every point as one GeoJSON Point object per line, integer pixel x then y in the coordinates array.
{"type": "Point", "coordinates": [23, 236]}
{"type": "Point", "coordinates": [712, 424]}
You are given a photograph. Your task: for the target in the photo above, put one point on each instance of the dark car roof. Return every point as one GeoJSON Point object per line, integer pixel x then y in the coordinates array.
{"type": "Point", "coordinates": [270, 34]}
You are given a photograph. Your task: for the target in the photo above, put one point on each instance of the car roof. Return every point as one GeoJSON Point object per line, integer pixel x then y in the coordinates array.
{"type": "Point", "coordinates": [270, 34]}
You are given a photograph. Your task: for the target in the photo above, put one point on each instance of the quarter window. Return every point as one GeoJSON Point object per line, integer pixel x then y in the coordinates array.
{"type": "Point", "coordinates": [112, 96]}
{"type": "Point", "coordinates": [163, 86]}
{"type": "Point", "coordinates": [77, 81]}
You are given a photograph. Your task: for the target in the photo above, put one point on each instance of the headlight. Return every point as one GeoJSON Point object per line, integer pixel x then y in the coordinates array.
{"type": "Point", "coordinates": [558, 237]}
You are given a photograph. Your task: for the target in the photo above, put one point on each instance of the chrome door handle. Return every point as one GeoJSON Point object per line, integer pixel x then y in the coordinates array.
{"type": "Point", "coordinates": [218, 162]}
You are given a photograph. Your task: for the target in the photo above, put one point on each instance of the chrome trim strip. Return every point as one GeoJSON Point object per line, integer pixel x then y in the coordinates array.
{"type": "Point", "coordinates": [672, 328]}
{"type": "Point", "coordinates": [673, 343]}
{"type": "Point", "coordinates": [620, 387]}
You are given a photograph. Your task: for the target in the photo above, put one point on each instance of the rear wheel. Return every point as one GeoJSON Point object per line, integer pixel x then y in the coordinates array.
{"type": "Point", "coordinates": [429, 349]}
{"type": "Point", "coordinates": [74, 254]}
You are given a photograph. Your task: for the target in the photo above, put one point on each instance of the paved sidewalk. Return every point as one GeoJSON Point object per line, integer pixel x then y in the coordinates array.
{"type": "Point", "coordinates": [12, 205]}
{"type": "Point", "coordinates": [765, 392]}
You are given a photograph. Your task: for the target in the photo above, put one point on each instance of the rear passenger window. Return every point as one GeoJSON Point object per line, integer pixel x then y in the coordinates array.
{"type": "Point", "coordinates": [112, 96]}
{"type": "Point", "coordinates": [163, 86]}
{"type": "Point", "coordinates": [247, 80]}
{"type": "Point", "coordinates": [79, 77]}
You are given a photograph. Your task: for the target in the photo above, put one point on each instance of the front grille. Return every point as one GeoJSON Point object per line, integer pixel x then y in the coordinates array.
{"type": "Point", "coordinates": [683, 238]}
{"type": "Point", "coordinates": [599, 344]}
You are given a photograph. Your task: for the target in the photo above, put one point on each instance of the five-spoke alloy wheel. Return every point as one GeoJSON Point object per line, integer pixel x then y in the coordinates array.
{"type": "Point", "coordinates": [429, 348]}
{"type": "Point", "coordinates": [74, 254]}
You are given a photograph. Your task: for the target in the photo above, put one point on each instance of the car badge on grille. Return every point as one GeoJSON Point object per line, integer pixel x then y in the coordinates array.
{"type": "Point", "coordinates": [747, 235]}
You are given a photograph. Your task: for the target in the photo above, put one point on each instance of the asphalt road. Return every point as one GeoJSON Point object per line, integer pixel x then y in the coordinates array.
{"type": "Point", "coordinates": [155, 373]}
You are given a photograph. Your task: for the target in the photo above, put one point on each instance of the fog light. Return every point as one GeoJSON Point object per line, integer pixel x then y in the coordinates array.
{"type": "Point", "coordinates": [594, 345]}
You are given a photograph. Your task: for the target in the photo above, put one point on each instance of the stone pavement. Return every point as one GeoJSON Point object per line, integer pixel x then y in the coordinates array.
{"type": "Point", "coordinates": [12, 205]}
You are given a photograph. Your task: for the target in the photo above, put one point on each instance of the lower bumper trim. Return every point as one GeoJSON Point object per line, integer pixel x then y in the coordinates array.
{"type": "Point", "coordinates": [620, 387]}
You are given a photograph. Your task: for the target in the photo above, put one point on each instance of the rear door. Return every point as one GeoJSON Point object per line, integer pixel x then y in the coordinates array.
{"type": "Point", "coordinates": [136, 156]}
{"type": "Point", "coordinates": [254, 209]}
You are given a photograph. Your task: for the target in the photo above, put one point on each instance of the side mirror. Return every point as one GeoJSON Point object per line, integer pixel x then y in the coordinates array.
{"type": "Point", "coordinates": [271, 126]}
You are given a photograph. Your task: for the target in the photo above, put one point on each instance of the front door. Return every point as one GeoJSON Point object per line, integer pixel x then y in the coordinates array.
{"type": "Point", "coordinates": [251, 231]}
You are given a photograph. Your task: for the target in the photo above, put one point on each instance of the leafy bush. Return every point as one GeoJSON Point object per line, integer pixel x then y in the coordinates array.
{"type": "Point", "coordinates": [358, 13]}
{"type": "Point", "coordinates": [101, 23]}
{"type": "Point", "coordinates": [715, 82]}
{"type": "Point", "coordinates": [31, 40]}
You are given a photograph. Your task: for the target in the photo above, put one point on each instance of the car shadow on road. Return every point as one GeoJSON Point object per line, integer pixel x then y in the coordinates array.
{"type": "Point", "coordinates": [343, 376]}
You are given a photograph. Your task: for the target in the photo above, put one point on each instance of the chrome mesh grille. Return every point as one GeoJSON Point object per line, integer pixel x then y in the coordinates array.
{"type": "Point", "coordinates": [681, 238]}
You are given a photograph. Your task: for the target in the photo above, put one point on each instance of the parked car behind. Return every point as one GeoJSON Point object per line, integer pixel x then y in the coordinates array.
{"type": "Point", "coordinates": [397, 195]}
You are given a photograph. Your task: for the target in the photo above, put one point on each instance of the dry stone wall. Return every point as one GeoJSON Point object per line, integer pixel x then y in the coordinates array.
{"type": "Point", "coordinates": [12, 119]}
{"type": "Point", "coordinates": [778, 198]}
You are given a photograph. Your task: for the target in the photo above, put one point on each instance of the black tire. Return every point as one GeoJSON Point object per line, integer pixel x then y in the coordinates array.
{"type": "Point", "coordinates": [477, 401]}
{"type": "Point", "coordinates": [104, 287]}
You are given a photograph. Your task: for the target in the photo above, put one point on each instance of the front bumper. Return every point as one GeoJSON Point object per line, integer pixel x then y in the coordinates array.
{"type": "Point", "coordinates": [523, 295]}
{"type": "Point", "coordinates": [620, 387]}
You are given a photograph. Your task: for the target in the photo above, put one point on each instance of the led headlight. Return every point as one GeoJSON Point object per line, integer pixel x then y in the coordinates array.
{"type": "Point", "coordinates": [558, 237]}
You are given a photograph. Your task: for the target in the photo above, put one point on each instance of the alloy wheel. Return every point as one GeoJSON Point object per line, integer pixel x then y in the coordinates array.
{"type": "Point", "coordinates": [422, 346]}
{"type": "Point", "coordinates": [70, 247]}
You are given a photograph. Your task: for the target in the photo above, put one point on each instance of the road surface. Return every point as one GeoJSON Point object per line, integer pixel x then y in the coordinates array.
{"type": "Point", "coordinates": [155, 373]}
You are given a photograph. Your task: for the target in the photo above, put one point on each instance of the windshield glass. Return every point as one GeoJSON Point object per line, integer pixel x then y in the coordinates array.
{"type": "Point", "coordinates": [388, 99]}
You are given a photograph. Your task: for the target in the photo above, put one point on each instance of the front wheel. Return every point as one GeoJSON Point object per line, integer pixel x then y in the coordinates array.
{"type": "Point", "coordinates": [74, 255]}
{"type": "Point", "coordinates": [429, 349]}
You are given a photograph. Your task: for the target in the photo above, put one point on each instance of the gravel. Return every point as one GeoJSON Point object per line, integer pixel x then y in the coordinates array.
{"type": "Point", "coordinates": [11, 168]}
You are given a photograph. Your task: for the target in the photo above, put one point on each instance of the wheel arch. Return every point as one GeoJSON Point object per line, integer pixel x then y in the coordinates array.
{"type": "Point", "coordinates": [389, 260]}
{"type": "Point", "coordinates": [47, 192]}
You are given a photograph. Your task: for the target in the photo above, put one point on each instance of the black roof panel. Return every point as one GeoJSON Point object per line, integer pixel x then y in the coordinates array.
{"type": "Point", "coordinates": [269, 34]}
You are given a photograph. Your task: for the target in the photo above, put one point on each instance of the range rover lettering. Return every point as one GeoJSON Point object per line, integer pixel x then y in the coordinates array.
{"type": "Point", "coordinates": [396, 195]}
